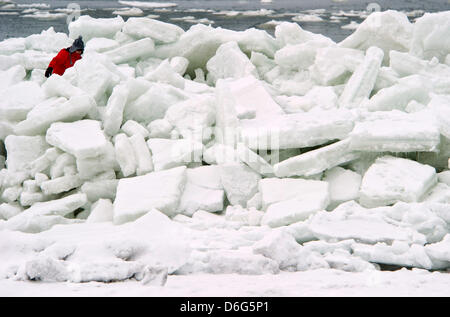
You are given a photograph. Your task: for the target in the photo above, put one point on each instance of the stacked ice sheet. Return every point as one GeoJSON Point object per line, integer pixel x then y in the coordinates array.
{"type": "Point", "coordinates": [209, 150]}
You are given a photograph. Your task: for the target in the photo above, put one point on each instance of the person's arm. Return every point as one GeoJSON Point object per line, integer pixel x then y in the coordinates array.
{"type": "Point", "coordinates": [57, 60]}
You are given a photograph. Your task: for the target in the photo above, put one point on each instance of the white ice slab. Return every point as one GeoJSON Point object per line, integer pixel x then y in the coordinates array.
{"type": "Point", "coordinates": [131, 51]}
{"type": "Point", "coordinates": [138, 195]}
{"type": "Point", "coordinates": [102, 211]}
{"type": "Point", "coordinates": [61, 184]}
{"type": "Point", "coordinates": [361, 83]}
{"type": "Point", "coordinates": [125, 154]}
{"type": "Point", "coordinates": [170, 153]}
{"type": "Point", "coordinates": [317, 161]}
{"type": "Point", "coordinates": [398, 132]}
{"type": "Point", "coordinates": [392, 179]}
{"type": "Point", "coordinates": [159, 31]}
{"type": "Point", "coordinates": [22, 150]}
{"type": "Point", "coordinates": [82, 139]}
{"type": "Point", "coordinates": [344, 185]}
{"type": "Point", "coordinates": [196, 198]}
{"type": "Point", "coordinates": [90, 27]}
{"type": "Point", "coordinates": [44, 114]}
{"type": "Point", "coordinates": [274, 190]}
{"type": "Point", "coordinates": [132, 127]}
{"type": "Point", "coordinates": [230, 62]}
{"type": "Point", "coordinates": [388, 30]}
{"type": "Point", "coordinates": [240, 183]}
{"type": "Point", "coordinates": [43, 215]}
{"type": "Point", "coordinates": [113, 117]}
{"type": "Point", "coordinates": [193, 117]}
{"type": "Point", "coordinates": [429, 34]}
{"type": "Point", "coordinates": [17, 100]}
{"type": "Point", "coordinates": [296, 130]}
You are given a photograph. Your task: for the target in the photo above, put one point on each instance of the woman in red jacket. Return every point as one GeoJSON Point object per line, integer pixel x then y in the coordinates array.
{"type": "Point", "coordinates": [66, 58]}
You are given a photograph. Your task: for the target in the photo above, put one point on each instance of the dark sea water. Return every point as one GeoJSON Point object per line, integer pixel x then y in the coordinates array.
{"type": "Point", "coordinates": [333, 14]}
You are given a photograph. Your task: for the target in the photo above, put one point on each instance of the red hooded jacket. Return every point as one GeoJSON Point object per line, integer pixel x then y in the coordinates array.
{"type": "Point", "coordinates": [63, 60]}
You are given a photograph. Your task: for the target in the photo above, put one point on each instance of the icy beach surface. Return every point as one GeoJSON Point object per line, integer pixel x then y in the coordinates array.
{"type": "Point", "coordinates": [168, 154]}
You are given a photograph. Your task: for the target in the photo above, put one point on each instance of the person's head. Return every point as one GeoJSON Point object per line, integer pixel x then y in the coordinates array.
{"type": "Point", "coordinates": [77, 46]}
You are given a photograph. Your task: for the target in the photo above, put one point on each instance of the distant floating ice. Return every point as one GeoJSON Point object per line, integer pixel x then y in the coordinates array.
{"type": "Point", "coordinates": [148, 4]}
{"type": "Point", "coordinates": [352, 26]}
{"type": "Point", "coordinates": [9, 13]}
{"type": "Point", "coordinates": [307, 18]}
{"type": "Point", "coordinates": [227, 13]}
{"type": "Point", "coordinates": [129, 12]}
{"type": "Point", "coordinates": [191, 19]}
{"type": "Point", "coordinates": [45, 15]}
{"type": "Point", "coordinates": [199, 10]}
{"type": "Point", "coordinates": [34, 5]}
{"type": "Point", "coordinates": [261, 12]}
{"type": "Point", "coordinates": [8, 6]}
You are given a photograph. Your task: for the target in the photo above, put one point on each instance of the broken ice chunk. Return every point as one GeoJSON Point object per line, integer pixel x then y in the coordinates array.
{"type": "Point", "coordinates": [344, 185]}
{"type": "Point", "coordinates": [43, 215]}
{"type": "Point", "coordinates": [138, 195]}
{"type": "Point", "coordinates": [19, 99]}
{"type": "Point", "coordinates": [113, 117]}
{"type": "Point", "coordinates": [159, 31]}
{"type": "Point", "coordinates": [125, 155]}
{"type": "Point", "coordinates": [361, 83]}
{"type": "Point", "coordinates": [274, 190]}
{"type": "Point", "coordinates": [144, 163]}
{"type": "Point", "coordinates": [388, 30]}
{"type": "Point", "coordinates": [317, 161]}
{"type": "Point", "coordinates": [131, 127]}
{"type": "Point", "coordinates": [131, 51]}
{"type": "Point", "coordinates": [240, 183]}
{"type": "Point", "coordinates": [397, 132]}
{"type": "Point", "coordinates": [22, 150]}
{"type": "Point", "coordinates": [392, 179]}
{"type": "Point", "coordinates": [90, 27]}
{"type": "Point", "coordinates": [230, 62]}
{"type": "Point", "coordinates": [83, 139]}
{"type": "Point", "coordinates": [43, 115]}
{"type": "Point", "coordinates": [102, 211]}
{"type": "Point", "coordinates": [200, 198]}
{"type": "Point", "coordinates": [296, 130]}
{"type": "Point", "coordinates": [61, 184]}
{"type": "Point", "coordinates": [170, 153]}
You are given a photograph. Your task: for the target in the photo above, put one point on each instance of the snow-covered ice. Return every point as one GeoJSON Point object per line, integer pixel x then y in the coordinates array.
{"type": "Point", "coordinates": [167, 155]}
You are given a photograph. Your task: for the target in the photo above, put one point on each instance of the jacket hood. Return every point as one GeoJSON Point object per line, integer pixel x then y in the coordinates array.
{"type": "Point", "coordinates": [78, 44]}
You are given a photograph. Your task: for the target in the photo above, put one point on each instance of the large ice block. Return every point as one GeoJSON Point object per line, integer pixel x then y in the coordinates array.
{"type": "Point", "coordinates": [158, 31]}
{"type": "Point", "coordinates": [82, 139]}
{"type": "Point", "coordinates": [296, 130]}
{"type": "Point", "coordinates": [334, 65]}
{"type": "Point", "coordinates": [113, 116]}
{"type": "Point", "coordinates": [230, 62]}
{"type": "Point", "coordinates": [138, 195]}
{"type": "Point", "coordinates": [388, 30]}
{"type": "Point", "coordinates": [43, 215]}
{"type": "Point", "coordinates": [275, 190]}
{"type": "Point", "coordinates": [170, 153]}
{"type": "Point", "coordinates": [240, 183]}
{"type": "Point", "coordinates": [317, 161]}
{"type": "Point", "coordinates": [131, 51]}
{"type": "Point", "coordinates": [22, 150]}
{"type": "Point", "coordinates": [396, 132]}
{"type": "Point", "coordinates": [89, 27]}
{"type": "Point", "coordinates": [17, 100]}
{"type": "Point", "coordinates": [392, 179]}
{"type": "Point", "coordinates": [430, 36]}
{"type": "Point", "coordinates": [43, 115]}
{"type": "Point", "coordinates": [361, 83]}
